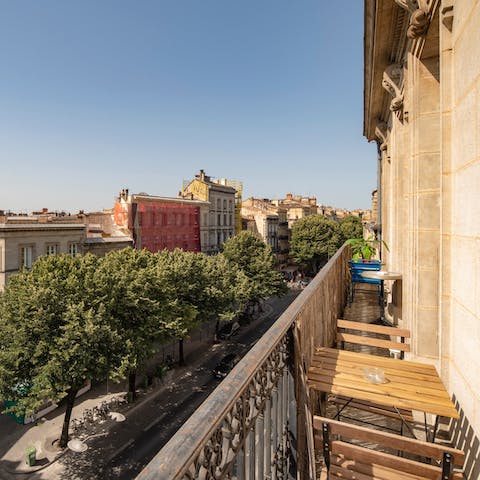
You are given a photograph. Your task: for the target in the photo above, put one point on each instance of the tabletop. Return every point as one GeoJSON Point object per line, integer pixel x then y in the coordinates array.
{"type": "Point", "coordinates": [409, 385]}
{"type": "Point", "coordinates": [382, 275]}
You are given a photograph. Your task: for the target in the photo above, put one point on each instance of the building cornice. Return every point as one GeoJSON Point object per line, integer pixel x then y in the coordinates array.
{"type": "Point", "coordinates": [23, 227]}
{"type": "Point", "coordinates": [392, 28]}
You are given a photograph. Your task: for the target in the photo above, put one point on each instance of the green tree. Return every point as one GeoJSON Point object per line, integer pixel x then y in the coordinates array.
{"type": "Point", "coordinates": [350, 227]}
{"type": "Point", "coordinates": [203, 288]}
{"type": "Point", "coordinates": [256, 260]}
{"type": "Point", "coordinates": [314, 239]}
{"type": "Point", "coordinates": [136, 301]}
{"type": "Point", "coordinates": [53, 334]}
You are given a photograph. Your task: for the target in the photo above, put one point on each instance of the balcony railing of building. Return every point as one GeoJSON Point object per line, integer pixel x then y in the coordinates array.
{"type": "Point", "coordinates": [257, 422]}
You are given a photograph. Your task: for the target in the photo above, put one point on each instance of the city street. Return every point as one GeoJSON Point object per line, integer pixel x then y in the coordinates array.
{"type": "Point", "coordinates": [130, 445]}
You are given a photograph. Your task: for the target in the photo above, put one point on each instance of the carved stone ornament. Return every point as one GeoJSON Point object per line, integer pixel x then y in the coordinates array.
{"type": "Point", "coordinates": [409, 5]}
{"type": "Point", "coordinates": [419, 22]}
{"type": "Point", "coordinates": [381, 134]}
{"type": "Point", "coordinates": [391, 83]}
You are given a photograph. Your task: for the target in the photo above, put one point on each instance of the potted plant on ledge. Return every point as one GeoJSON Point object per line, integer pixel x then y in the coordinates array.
{"type": "Point", "coordinates": [363, 249]}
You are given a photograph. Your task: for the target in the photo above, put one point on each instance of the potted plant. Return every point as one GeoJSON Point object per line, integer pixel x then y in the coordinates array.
{"type": "Point", "coordinates": [363, 249]}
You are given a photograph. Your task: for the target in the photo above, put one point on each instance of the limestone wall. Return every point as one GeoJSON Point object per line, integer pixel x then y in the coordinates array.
{"type": "Point", "coordinates": [461, 232]}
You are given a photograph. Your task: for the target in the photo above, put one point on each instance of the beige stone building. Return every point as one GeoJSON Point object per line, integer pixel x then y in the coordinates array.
{"type": "Point", "coordinates": [103, 235]}
{"type": "Point", "coordinates": [422, 107]}
{"type": "Point", "coordinates": [23, 239]}
{"type": "Point", "coordinates": [220, 219]}
{"type": "Point", "coordinates": [297, 207]}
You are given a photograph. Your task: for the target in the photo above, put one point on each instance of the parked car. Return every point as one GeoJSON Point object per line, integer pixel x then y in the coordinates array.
{"type": "Point", "coordinates": [223, 368]}
{"type": "Point", "coordinates": [228, 330]}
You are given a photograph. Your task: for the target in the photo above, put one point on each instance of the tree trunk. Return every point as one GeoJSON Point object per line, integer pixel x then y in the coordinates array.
{"type": "Point", "coordinates": [72, 393]}
{"type": "Point", "coordinates": [181, 358]}
{"type": "Point", "coordinates": [132, 380]}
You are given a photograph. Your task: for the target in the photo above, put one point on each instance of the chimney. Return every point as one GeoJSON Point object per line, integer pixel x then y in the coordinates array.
{"type": "Point", "coordinates": [289, 196]}
{"type": "Point", "coordinates": [202, 175]}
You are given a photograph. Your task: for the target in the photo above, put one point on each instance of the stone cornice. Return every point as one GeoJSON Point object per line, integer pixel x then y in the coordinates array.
{"type": "Point", "coordinates": [385, 40]}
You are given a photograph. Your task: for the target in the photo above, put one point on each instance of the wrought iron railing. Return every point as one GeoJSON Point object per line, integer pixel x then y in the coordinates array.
{"type": "Point", "coordinates": [256, 424]}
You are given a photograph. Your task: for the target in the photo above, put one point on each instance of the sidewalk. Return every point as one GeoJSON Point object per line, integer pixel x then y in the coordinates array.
{"type": "Point", "coordinates": [15, 438]}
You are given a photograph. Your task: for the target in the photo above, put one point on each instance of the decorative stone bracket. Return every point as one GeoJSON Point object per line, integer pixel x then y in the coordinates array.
{"type": "Point", "coordinates": [381, 134]}
{"type": "Point", "coordinates": [391, 83]}
{"type": "Point", "coordinates": [419, 19]}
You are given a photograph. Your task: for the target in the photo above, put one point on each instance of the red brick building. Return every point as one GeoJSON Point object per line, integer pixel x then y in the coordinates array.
{"type": "Point", "coordinates": [158, 223]}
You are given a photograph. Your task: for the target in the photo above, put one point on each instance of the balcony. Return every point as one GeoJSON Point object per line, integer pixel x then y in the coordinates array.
{"type": "Point", "coordinates": [258, 424]}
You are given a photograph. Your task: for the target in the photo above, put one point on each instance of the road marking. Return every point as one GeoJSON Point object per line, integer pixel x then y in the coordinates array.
{"type": "Point", "coordinates": [153, 423]}
{"type": "Point", "coordinates": [117, 452]}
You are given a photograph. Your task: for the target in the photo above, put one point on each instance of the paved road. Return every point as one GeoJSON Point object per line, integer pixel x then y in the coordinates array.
{"type": "Point", "coordinates": [149, 428]}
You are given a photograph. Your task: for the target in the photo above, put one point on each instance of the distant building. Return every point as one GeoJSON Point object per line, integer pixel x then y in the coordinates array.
{"type": "Point", "coordinates": [221, 216]}
{"type": "Point", "coordinates": [103, 235]}
{"type": "Point", "coordinates": [158, 223]}
{"type": "Point", "coordinates": [297, 207]}
{"type": "Point", "coordinates": [23, 239]}
{"type": "Point", "coordinates": [269, 222]}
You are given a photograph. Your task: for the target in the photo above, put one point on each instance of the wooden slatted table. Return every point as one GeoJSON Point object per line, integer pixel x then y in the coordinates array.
{"type": "Point", "coordinates": [411, 385]}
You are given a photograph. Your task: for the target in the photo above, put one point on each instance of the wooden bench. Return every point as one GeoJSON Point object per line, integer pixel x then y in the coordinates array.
{"type": "Point", "coordinates": [359, 336]}
{"type": "Point", "coordinates": [352, 461]}
{"type": "Point", "coordinates": [401, 414]}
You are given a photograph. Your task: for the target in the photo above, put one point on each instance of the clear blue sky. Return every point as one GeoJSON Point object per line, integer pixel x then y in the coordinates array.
{"type": "Point", "coordinates": [96, 96]}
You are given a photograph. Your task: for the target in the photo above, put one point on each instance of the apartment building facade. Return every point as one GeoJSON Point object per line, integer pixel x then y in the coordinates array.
{"type": "Point", "coordinates": [157, 223]}
{"type": "Point", "coordinates": [422, 104]}
{"type": "Point", "coordinates": [220, 220]}
{"type": "Point", "coordinates": [24, 239]}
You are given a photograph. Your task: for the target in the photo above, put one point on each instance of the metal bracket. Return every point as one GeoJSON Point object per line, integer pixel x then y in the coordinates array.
{"type": "Point", "coordinates": [326, 444]}
{"type": "Point", "coordinates": [447, 466]}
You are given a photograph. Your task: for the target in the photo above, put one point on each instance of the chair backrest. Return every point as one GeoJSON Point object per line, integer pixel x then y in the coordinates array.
{"type": "Point", "coordinates": [356, 269]}
{"type": "Point", "coordinates": [343, 458]}
{"type": "Point", "coordinates": [360, 336]}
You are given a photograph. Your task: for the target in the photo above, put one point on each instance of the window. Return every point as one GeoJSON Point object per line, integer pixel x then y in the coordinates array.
{"type": "Point", "coordinates": [219, 219]}
{"type": "Point", "coordinates": [230, 205]}
{"type": "Point", "coordinates": [230, 220]}
{"type": "Point", "coordinates": [26, 256]}
{"type": "Point", "coordinates": [225, 219]}
{"type": "Point", "coordinates": [73, 249]}
{"type": "Point", "coordinates": [219, 204]}
{"type": "Point", "coordinates": [52, 249]}
{"type": "Point", "coordinates": [224, 204]}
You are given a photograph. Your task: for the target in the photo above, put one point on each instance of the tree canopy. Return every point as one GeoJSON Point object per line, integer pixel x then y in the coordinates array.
{"type": "Point", "coordinates": [137, 302]}
{"type": "Point", "coordinates": [314, 239]}
{"type": "Point", "coordinates": [53, 334]}
{"type": "Point", "coordinates": [256, 260]}
{"type": "Point", "coordinates": [350, 226]}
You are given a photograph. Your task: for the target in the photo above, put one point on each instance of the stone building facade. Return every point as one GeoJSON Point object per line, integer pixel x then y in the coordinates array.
{"type": "Point", "coordinates": [422, 107]}
{"type": "Point", "coordinates": [220, 219]}
{"type": "Point", "coordinates": [24, 239]}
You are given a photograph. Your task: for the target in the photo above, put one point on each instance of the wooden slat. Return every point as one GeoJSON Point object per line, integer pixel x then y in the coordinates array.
{"type": "Point", "coordinates": [367, 456]}
{"type": "Point", "coordinates": [372, 342]}
{"type": "Point", "coordinates": [390, 440]}
{"type": "Point", "coordinates": [382, 399]}
{"type": "Point", "coordinates": [332, 367]}
{"type": "Point", "coordinates": [369, 327]}
{"type": "Point", "coordinates": [378, 472]}
{"type": "Point", "coordinates": [395, 384]}
{"type": "Point", "coordinates": [337, 471]}
{"type": "Point", "coordinates": [359, 471]}
{"type": "Point", "coordinates": [372, 407]}
{"type": "Point", "coordinates": [391, 389]}
{"type": "Point", "coordinates": [340, 372]}
{"type": "Point", "coordinates": [325, 352]}
{"type": "Point", "coordinates": [400, 375]}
